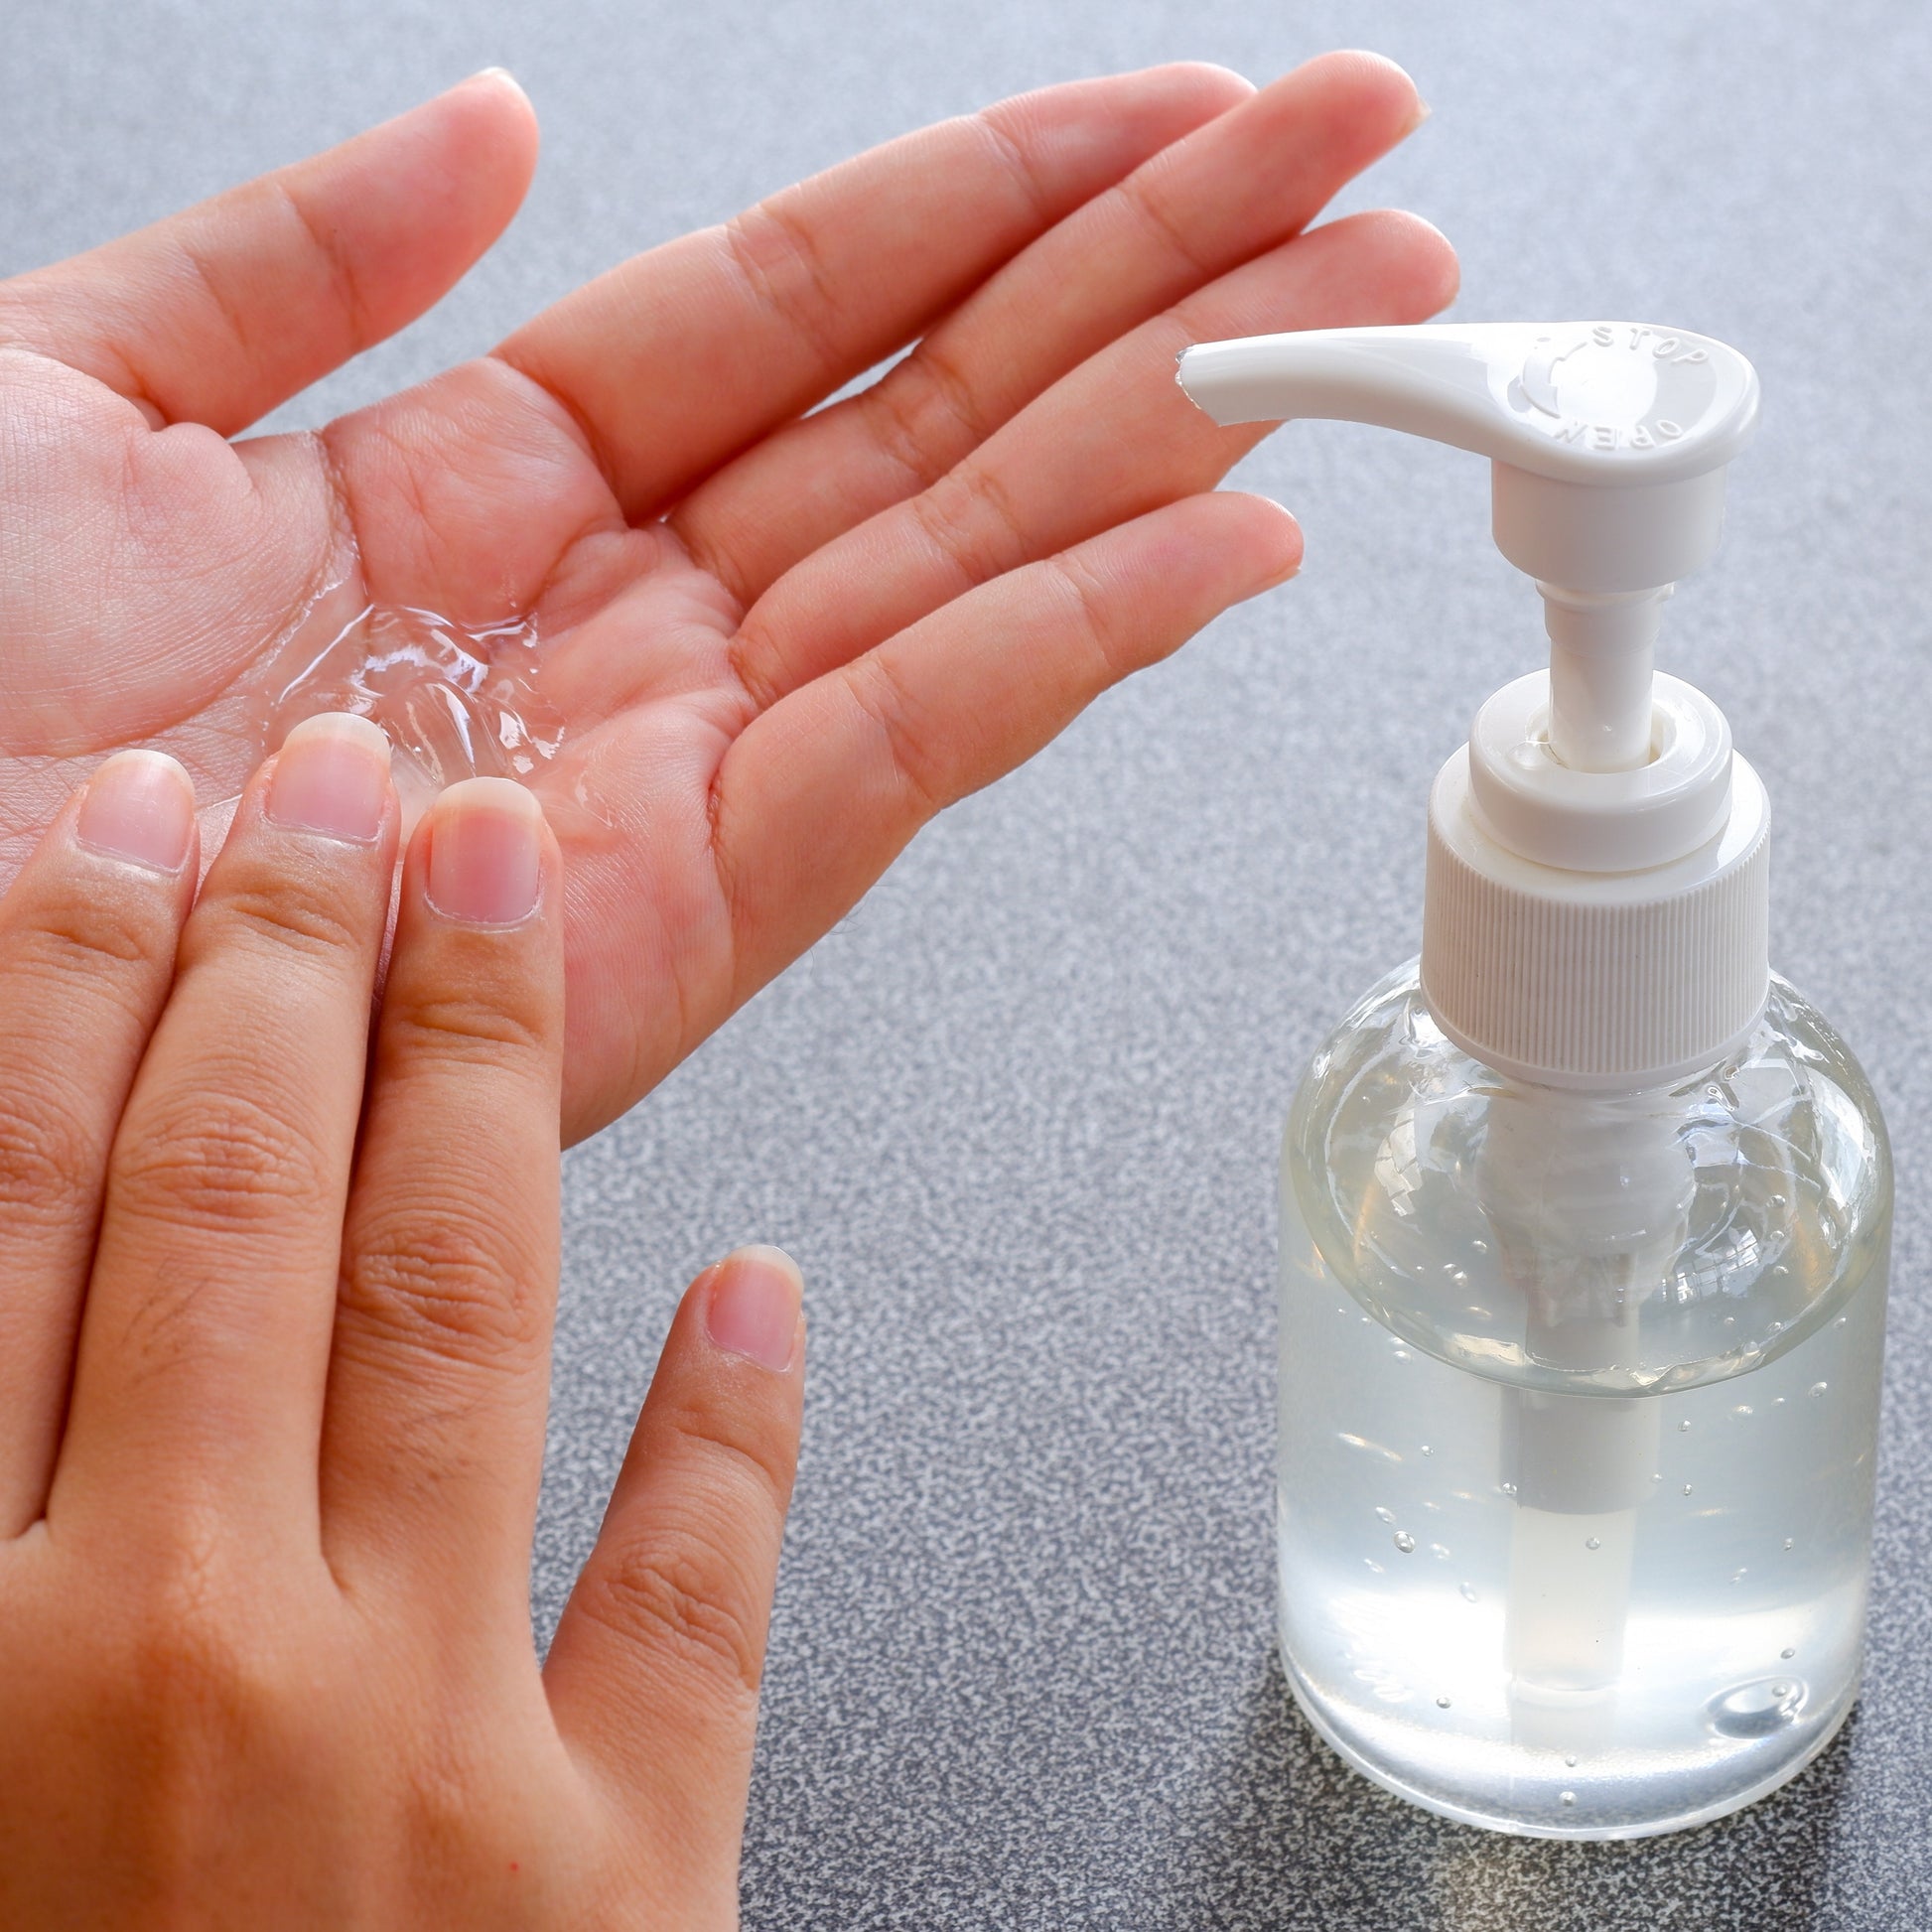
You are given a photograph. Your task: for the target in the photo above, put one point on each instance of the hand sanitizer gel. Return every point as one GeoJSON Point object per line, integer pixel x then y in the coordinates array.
{"type": "Point", "coordinates": [1584, 1214]}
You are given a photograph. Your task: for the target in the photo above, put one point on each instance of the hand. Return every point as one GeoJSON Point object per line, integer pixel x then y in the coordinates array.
{"type": "Point", "coordinates": [272, 1397]}
{"type": "Point", "coordinates": [782, 642]}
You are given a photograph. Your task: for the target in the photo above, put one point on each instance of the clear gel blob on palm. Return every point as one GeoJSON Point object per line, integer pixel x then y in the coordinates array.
{"type": "Point", "coordinates": [1578, 1403]}
{"type": "Point", "coordinates": [456, 701]}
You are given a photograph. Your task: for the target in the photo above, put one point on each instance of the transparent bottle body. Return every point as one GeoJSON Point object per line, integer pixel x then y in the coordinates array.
{"type": "Point", "coordinates": [1579, 1408]}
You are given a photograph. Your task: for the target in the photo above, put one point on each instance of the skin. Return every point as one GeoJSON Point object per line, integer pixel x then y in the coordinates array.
{"type": "Point", "coordinates": [782, 641]}
{"type": "Point", "coordinates": [273, 1371]}
{"type": "Point", "coordinates": [277, 1278]}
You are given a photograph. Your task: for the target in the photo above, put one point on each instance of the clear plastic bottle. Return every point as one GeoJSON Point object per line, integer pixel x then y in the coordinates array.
{"type": "Point", "coordinates": [1584, 1217]}
{"type": "Point", "coordinates": [1578, 1402]}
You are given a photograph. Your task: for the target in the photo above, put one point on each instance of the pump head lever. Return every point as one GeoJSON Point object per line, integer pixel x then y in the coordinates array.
{"type": "Point", "coordinates": [1603, 403]}
{"type": "Point", "coordinates": [1609, 441]}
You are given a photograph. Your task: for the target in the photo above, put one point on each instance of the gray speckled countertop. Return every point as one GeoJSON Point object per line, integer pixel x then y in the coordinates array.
{"type": "Point", "coordinates": [1017, 1116]}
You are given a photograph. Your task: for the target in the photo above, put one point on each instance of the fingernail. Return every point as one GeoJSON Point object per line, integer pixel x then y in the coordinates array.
{"type": "Point", "coordinates": [332, 776]}
{"type": "Point", "coordinates": [752, 1307]}
{"type": "Point", "coordinates": [1421, 113]}
{"type": "Point", "coordinates": [485, 851]}
{"type": "Point", "coordinates": [140, 805]}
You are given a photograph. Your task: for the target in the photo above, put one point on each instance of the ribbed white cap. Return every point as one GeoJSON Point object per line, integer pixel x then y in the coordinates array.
{"type": "Point", "coordinates": [1608, 980]}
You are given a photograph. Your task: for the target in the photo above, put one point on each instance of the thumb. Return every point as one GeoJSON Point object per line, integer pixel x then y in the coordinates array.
{"type": "Point", "coordinates": [217, 313]}
{"type": "Point", "coordinates": [653, 1673]}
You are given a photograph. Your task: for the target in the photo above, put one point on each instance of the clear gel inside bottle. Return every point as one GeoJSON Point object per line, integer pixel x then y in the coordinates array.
{"type": "Point", "coordinates": [1578, 1402]}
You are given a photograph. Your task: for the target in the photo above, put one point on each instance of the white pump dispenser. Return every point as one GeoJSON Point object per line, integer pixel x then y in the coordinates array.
{"type": "Point", "coordinates": [1596, 884]}
{"type": "Point", "coordinates": [1553, 1193]}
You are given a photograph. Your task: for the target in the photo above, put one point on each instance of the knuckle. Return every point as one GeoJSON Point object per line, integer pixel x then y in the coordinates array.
{"type": "Point", "coordinates": [49, 1166]}
{"type": "Point", "coordinates": [943, 521]}
{"type": "Point", "coordinates": [1014, 542]}
{"type": "Point", "coordinates": [928, 415]}
{"type": "Point", "coordinates": [1148, 203]}
{"type": "Point", "coordinates": [192, 1657]}
{"type": "Point", "coordinates": [883, 699]}
{"type": "Point", "coordinates": [213, 1158]}
{"type": "Point", "coordinates": [970, 520]}
{"type": "Point", "coordinates": [736, 1447]}
{"type": "Point", "coordinates": [1005, 127]}
{"type": "Point", "coordinates": [98, 933]}
{"type": "Point", "coordinates": [676, 1592]}
{"type": "Point", "coordinates": [204, 1697]}
{"type": "Point", "coordinates": [204, 270]}
{"type": "Point", "coordinates": [757, 659]}
{"type": "Point", "coordinates": [442, 1790]}
{"type": "Point", "coordinates": [315, 917]}
{"type": "Point", "coordinates": [1092, 611]}
{"type": "Point", "coordinates": [433, 1281]}
{"type": "Point", "coordinates": [777, 257]}
{"type": "Point", "coordinates": [336, 261]}
{"type": "Point", "coordinates": [467, 1027]}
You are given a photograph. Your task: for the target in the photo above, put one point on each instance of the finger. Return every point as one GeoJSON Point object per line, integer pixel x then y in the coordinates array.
{"type": "Point", "coordinates": [678, 358]}
{"type": "Point", "coordinates": [821, 792]}
{"type": "Point", "coordinates": [217, 313]}
{"type": "Point", "coordinates": [432, 1431]}
{"type": "Point", "coordinates": [1238, 186]}
{"type": "Point", "coordinates": [86, 951]}
{"type": "Point", "coordinates": [1110, 442]}
{"type": "Point", "coordinates": [654, 1670]}
{"type": "Point", "coordinates": [204, 1340]}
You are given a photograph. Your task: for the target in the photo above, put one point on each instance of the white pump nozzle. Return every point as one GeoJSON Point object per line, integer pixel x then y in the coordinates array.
{"type": "Point", "coordinates": [1609, 441]}
{"type": "Point", "coordinates": [1596, 910]}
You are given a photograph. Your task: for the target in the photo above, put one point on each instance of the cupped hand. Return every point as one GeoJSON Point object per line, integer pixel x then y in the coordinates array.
{"type": "Point", "coordinates": [274, 1340]}
{"type": "Point", "coordinates": [783, 636]}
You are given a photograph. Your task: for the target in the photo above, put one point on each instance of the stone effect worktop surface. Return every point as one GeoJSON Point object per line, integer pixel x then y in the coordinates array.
{"type": "Point", "coordinates": [1017, 1116]}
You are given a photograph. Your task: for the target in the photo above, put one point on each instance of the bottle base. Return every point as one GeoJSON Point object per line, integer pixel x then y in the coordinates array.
{"type": "Point", "coordinates": [1517, 1826]}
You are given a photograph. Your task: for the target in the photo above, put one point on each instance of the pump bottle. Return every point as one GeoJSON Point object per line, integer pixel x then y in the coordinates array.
{"type": "Point", "coordinates": [1585, 1213]}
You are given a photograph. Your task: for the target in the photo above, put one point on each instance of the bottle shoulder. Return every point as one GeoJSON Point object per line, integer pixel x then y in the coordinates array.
{"type": "Point", "coordinates": [1588, 1242]}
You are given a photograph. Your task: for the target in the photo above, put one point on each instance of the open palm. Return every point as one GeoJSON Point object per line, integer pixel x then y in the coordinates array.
{"type": "Point", "coordinates": [780, 640]}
